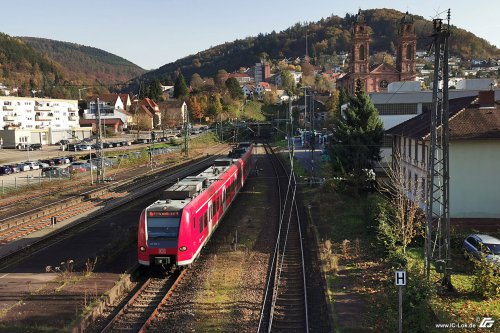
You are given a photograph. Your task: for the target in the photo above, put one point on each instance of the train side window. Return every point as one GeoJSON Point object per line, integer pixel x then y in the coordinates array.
{"type": "Point", "coordinates": [205, 219]}
{"type": "Point", "coordinates": [200, 222]}
{"type": "Point", "coordinates": [194, 222]}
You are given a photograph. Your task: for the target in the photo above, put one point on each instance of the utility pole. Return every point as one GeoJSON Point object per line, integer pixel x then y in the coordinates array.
{"type": "Point", "coordinates": [186, 133]}
{"type": "Point", "coordinates": [438, 176]}
{"type": "Point", "coordinates": [98, 143]}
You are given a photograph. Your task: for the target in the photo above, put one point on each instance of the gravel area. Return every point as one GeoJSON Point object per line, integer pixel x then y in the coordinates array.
{"type": "Point", "coordinates": [224, 289]}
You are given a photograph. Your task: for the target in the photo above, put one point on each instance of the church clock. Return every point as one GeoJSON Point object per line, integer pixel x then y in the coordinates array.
{"type": "Point", "coordinates": [384, 84]}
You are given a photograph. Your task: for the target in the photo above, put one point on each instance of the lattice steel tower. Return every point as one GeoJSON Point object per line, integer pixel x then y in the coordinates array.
{"type": "Point", "coordinates": [437, 247]}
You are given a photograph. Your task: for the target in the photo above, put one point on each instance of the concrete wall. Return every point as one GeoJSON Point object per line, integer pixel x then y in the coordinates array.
{"type": "Point", "coordinates": [474, 179]}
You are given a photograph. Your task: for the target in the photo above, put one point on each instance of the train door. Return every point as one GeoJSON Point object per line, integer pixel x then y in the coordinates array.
{"type": "Point", "coordinates": [210, 216]}
{"type": "Point", "coordinates": [224, 199]}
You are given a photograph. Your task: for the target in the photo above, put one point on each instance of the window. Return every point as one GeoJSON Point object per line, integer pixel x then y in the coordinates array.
{"type": "Point", "coordinates": [194, 222]}
{"type": "Point", "coordinates": [473, 242]}
{"type": "Point", "coordinates": [409, 52]}
{"type": "Point", "coordinates": [361, 52]}
{"type": "Point", "coordinates": [396, 109]}
{"type": "Point", "coordinates": [200, 223]}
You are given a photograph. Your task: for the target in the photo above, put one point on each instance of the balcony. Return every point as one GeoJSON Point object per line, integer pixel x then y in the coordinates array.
{"type": "Point", "coordinates": [9, 118]}
{"type": "Point", "coordinates": [8, 107]}
{"type": "Point", "coordinates": [43, 118]}
{"type": "Point", "coordinates": [43, 108]}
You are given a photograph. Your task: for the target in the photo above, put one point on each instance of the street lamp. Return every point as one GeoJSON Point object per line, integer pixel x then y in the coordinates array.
{"type": "Point", "coordinates": [80, 92]}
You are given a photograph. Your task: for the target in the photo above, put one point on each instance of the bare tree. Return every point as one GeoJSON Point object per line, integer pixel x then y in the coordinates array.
{"type": "Point", "coordinates": [405, 194]}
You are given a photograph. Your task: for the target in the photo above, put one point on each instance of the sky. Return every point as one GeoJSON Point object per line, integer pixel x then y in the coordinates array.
{"type": "Point", "coordinates": [151, 33]}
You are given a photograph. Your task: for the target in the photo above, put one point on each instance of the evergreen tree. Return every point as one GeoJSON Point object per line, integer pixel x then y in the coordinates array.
{"type": "Point", "coordinates": [234, 88]}
{"type": "Point", "coordinates": [357, 138]}
{"type": "Point", "coordinates": [143, 90]}
{"type": "Point", "coordinates": [155, 91]}
{"type": "Point", "coordinates": [180, 87]}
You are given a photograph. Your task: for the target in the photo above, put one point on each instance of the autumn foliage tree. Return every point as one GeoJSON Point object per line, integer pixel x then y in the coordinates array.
{"type": "Point", "coordinates": [195, 107]}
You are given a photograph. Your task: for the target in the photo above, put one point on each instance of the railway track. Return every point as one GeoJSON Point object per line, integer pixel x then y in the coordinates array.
{"type": "Point", "coordinates": [138, 313]}
{"type": "Point", "coordinates": [285, 305]}
{"type": "Point", "coordinates": [116, 195]}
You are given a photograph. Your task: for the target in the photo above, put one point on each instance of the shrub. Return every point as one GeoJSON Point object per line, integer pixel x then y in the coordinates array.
{"type": "Point", "coordinates": [329, 260]}
{"type": "Point", "coordinates": [417, 312]}
{"type": "Point", "coordinates": [386, 233]}
{"type": "Point", "coordinates": [486, 279]}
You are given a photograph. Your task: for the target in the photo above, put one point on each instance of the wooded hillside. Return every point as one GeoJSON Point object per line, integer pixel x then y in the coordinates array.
{"type": "Point", "coordinates": [85, 64]}
{"type": "Point", "coordinates": [325, 38]}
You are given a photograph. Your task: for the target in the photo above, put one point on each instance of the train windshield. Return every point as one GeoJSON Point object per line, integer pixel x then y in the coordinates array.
{"type": "Point", "coordinates": [163, 227]}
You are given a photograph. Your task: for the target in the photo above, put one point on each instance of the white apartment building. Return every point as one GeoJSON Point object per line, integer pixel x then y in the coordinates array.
{"type": "Point", "coordinates": [38, 113]}
{"type": "Point", "coordinates": [41, 118]}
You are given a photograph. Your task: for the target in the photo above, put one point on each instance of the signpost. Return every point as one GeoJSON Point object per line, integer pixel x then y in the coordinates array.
{"type": "Point", "coordinates": [400, 282]}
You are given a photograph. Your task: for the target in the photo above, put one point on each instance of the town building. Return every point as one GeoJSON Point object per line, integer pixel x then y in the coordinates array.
{"type": "Point", "coordinates": [112, 110]}
{"type": "Point", "coordinates": [262, 72]}
{"type": "Point", "coordinates": [27, 120]}
{"type": "Point", "coordinates": [378, 77]}
{"type": "Point", "coordinates": [474, 157]}
{"type": "Point", "coordinates": [174, 113]}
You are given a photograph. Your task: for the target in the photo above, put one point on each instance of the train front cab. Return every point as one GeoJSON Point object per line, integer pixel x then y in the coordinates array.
{"type": "Point", "coordinates": [158, 237]}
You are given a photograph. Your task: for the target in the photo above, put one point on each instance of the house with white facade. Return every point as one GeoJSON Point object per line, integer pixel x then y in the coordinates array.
{"type": "Point", "coordinates": [261, 88]}
{"type": "Point", "coordinates": [474, 150]}
{"type": "Point", "coordinates": [42, 120]}
{"type": "Point", "coordinates": [112, 109]}
{"type": "Point", "coordinates": [403, 101]}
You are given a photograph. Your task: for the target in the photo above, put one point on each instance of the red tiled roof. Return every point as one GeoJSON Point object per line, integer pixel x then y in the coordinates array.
{"type": "Point", "coordinates": [419, 126]}
{"type": "Point", "coordinates": [107, 121]}
{"type": "Point", "coordinates": [110, 98]}
{"type": "Point", "coordinates": [476, 123]}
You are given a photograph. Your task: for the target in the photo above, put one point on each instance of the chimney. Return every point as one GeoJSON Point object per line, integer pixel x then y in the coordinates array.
{"type": "Point", "coordinates": [487, 99]}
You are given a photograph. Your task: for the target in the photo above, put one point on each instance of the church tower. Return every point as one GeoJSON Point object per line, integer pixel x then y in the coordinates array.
{"type": "Point", "coordinates": [360, 50]}
{"type": "Point", "coordinates": [407, 49]}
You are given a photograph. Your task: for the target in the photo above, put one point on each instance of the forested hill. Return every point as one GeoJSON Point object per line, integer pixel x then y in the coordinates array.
{"type": "Point", "coordinates": [325, 37]}
{"type": "Point", "coordinates": [22, 66]}
{"type": "Point", "coordinates": [85, 64]}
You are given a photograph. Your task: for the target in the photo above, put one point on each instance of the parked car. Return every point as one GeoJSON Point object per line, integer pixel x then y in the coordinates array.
{"type": "Point", "coordinates": [14, 168]}
{"type": "Point", "coordinates": [5, 170]}
{"type": "Point", "coordinates": [107, 145]}
{"type": "Point", "coordinates": [50, 162]}
{"type": "Point", "coordinates": [54, 172]}
{"type": "Point", "coordinates": [62, 142]}
{"type": "Point", "coordinates": [79, 167]}
{"type": "Point", "coordinates": [73, 147]}
{"type": "Point", "coordinates": [34, 146]}
{"type": "Point", "coordinates": [85, 147]}
{"type": "Point", "coordinates": [32, 165]}
{"type": "Point", "coordinates": [481, 245]}
{"type": "Point", "coordinates": [42, 165]}
{"type": "Point", "coordinates": [59, 161]}
{"type": "Point", "coordinates": [23, 167]}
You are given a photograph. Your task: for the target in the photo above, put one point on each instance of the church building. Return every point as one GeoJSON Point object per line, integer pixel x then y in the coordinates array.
{"type": "Point", "coordinates": [377, 78]}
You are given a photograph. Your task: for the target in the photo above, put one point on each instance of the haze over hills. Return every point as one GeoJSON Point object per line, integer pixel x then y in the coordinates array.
{"type": "Point", "coordinates": [324, 38]}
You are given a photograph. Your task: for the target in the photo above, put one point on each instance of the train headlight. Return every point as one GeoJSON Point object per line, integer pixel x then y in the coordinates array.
{"type": "Point", "coordinates": [142, 249]}
{"type": "Point", "coordinates": [183, 248]}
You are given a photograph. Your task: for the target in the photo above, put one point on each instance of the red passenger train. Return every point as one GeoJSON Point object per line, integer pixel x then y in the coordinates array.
{"type": "Point", "coordinates": [172, 231]}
